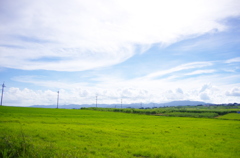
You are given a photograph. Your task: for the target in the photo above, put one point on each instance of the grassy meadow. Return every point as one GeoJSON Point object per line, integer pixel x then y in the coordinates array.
{"type": "Point", "coordinates": [39, 132]}
{"type": "Point", "coordinates": [231, 116]}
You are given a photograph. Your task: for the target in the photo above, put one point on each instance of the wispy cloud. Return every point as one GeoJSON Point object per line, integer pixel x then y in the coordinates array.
{"type": "Point", "coordinates": [52, 84]}
{"type": "Point", "coordinates": [142, 51]}
{"type": "Point", "coordinates": [198, 72]}
{"type": "Point", "coordinates": [234, 60]}
{"type": "Point", "coordinates": [85, 95]}
{"type": "Point", "coordinates": [187, 66]}
{"type": "Point", "coordinates": [233, 92]}
{"type": "Point", "coordinates": [88, 35]}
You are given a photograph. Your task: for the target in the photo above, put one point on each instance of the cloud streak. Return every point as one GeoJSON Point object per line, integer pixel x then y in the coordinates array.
{"type": "Point", "coordinates": [187, 66]}
{"type": "Point", "coordinates": [141, 51]}
{"type": "Point", "coordinates": [82, 35]}
{"type": "Point", "coordinates": [199, 72]}
{"type": "Point", "coordinates": [234, 60]}
{"type": "Point", "coordinates": [189, 85]}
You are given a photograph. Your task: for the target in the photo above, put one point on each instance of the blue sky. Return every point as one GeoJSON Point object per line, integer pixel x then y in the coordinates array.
{"type": "Point", "coordinates": [137, 51]}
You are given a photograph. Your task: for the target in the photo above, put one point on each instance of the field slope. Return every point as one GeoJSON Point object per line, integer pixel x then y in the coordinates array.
{"type": "Point", "coordinates": [36, 132]}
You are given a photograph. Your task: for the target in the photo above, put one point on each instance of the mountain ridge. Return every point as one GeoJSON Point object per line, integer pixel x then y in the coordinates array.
{"type": "Point", "coordinates": [132, 105]}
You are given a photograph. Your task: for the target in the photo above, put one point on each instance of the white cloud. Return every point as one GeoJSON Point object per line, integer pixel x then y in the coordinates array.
{"type": "Point", "coordinates": [15, 96]}
{"type": "Point", "coordinates": [205, 87]}
{"type": "Point", "coordinates": [204, 97]}
{"type": "Point", "coordinates": [199, 72]}
{"type": "Point", "coordinates": [234, 60]}
{"type": "Point", "coordinates": [233, 92]}
{"type": "Point", "coordinates": [157, 91]}
{"type": "Point", "coordinates": [179, 90]}
{"type": "Point", "coordinates": [187, 66]}
{"type": "Point", "coordinates": [37, 80]}
{"type": "Point", "coordinates": [82, 35]}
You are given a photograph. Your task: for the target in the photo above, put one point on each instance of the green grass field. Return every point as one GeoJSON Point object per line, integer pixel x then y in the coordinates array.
{"type": "Point", "coordinates": [178, 111]}
{"type": "Point", "coordinates": [36, 132]}
{"type": "Point", "coordinates": [231, 116]}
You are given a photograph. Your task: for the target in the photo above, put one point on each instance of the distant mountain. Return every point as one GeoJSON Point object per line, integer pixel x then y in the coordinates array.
{"type": "Point", "coordinates": [69, 106]}
{"type": "Point", "coordinates": [133, 105]}
{"type": "Point", "coordinates": [184, 103]}
{"type": "Point", "coordinates": [43, 106]}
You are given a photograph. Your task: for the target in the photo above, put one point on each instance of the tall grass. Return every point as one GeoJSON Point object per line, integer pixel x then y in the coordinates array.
{"type": "Point", "coordinates": [19, 145]}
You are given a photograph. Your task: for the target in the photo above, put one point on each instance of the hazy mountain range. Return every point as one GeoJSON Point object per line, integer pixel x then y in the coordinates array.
{"type": "Point", "coordinates": [133, 105]}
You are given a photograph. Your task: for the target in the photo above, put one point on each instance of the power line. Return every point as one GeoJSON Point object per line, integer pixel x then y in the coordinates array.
{"type": "Point", "coordinates": [2, 92]}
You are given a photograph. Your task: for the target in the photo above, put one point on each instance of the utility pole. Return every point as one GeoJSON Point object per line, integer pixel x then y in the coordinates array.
{"type": "Point", "coordinates": [96, 100]}
{"type": "Point", "coordinates": [57, 98]}
{"type": "Point", "coordinates": [2, 93]}
{"type": "Point", "coordinates": [121, 103]}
